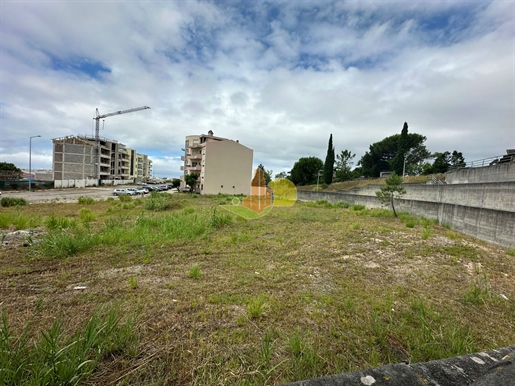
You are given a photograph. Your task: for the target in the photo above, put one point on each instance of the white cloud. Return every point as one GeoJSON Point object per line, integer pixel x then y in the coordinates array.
{"type": "Point", "coordinates": [280, 77]}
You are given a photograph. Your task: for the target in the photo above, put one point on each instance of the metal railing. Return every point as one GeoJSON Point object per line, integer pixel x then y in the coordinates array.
{"type": "Point", "coordinates": [479, 163]}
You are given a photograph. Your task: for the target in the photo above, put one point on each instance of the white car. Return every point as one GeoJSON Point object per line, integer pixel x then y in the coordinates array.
{"type": "Point", "coordinates": [124, 192]}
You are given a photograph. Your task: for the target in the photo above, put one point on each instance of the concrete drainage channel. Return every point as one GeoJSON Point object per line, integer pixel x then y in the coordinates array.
{"type": "Point", "coordinates": [492, 368]}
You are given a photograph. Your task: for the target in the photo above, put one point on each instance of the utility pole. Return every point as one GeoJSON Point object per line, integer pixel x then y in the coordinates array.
{"type": "Point", "coordinates": [30, 159]}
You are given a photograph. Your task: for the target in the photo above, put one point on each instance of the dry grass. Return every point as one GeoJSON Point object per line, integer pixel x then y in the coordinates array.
{"type": "Point", "coordinates": [301, 292]}
{"type": "Point", "coordinates": [359, 183]}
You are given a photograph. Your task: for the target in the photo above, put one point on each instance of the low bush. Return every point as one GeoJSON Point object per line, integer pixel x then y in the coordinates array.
{"type": "Point", "coordinates": [86, 200]}
{"type": "Point", "coordinates": [12, 201]}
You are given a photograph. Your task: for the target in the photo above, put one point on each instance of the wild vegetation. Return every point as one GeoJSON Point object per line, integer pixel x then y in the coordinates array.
{"type": "Point", "coordinates": [187, 293]}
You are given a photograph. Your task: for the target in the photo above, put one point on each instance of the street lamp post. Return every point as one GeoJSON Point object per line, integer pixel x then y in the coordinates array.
{"type": "Point", "coordinates": [318, 177]}
{"type": "Point", "coordinates": [30, 159]}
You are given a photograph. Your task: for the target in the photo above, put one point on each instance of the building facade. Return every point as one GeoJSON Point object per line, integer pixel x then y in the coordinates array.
{"type": "Point", "coordinates": [222, 165]}
{"type": "Point", "coordinates": [140, 167]}
{"type": "Point", "coordinates": [74, 159]}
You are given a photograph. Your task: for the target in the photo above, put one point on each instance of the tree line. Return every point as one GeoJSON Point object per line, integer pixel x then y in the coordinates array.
{"type": "Point", "coordinates": [404, 153]}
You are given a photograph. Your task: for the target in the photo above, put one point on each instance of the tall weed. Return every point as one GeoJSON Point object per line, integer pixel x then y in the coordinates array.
{"type": "Point", "coordinates": [57, 359]}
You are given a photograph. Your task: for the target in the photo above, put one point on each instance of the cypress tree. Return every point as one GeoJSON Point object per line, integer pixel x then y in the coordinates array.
{"type": "Point", "coordinates": [402, 149]}
{"type": "Point", "coordinates": [329, 162]}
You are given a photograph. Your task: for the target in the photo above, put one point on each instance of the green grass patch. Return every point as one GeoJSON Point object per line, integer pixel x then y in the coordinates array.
{"type": "Point", "coordinates": [302, 292]}
{"type": "Point", "coordinates": [12, 201]}
{"type": "Point", "coordinates": [18, 220]}
{"type": "Point", "coordinates": [53, 357]}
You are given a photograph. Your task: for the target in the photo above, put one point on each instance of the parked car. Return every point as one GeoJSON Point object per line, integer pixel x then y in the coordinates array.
{"type": "Point", "coordinates": [142, 190]}
{"type": "Point", "coordinates": [124, 192]}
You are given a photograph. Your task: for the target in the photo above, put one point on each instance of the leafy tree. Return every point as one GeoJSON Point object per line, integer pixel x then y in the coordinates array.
{"type": "Point", "coordinates": [191, 180]}
{"type": "Point", "coordinates": [444, 161]}
{"type": "Point", "coordinates": [381, 154]}
{"type": "Point", "coordinates": [176, 183]}
{"type": "Point", "coordinates": [281, 175]}
{"type": "Point", "coordinates": [267, 174]}
{"type": "Point", "coordinates": [9, 171]}
{"type": "Point", "coordinates": [305, 170]}
{"type": "Point", "coordinates": [457, 159]}
{"type": "Point", "coordinates": [343, 165]}
{"type": "Point", "coordinates": [392, 190]}
{"type": "Point", "coordinates": [329, 162]}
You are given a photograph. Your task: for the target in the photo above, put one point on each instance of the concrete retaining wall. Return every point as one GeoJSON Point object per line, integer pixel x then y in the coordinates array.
{"type": "Point", "coordinates": [494, 173]}
{"type": "Point", "coordinates": [485, 211]}
{"type": "Point", "coordinates": [492, 368]}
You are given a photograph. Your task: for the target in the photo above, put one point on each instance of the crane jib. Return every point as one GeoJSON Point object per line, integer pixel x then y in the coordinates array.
{"type": "Point", "coordinates": [97, 134]}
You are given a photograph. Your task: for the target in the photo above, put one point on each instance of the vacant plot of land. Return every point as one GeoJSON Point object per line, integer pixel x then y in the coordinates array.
{"type": "Point", "coordinates": [203, 297]}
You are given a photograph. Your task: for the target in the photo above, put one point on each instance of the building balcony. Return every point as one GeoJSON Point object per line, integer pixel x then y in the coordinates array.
{"type": "Point", "coordinates": [195, 156]}
{"type": "Point", "coordinates": [104, 164]}
{"type": "Point", "coordinates": [195, 146]}
{"type": "Point", "coordinates": [197, 168]}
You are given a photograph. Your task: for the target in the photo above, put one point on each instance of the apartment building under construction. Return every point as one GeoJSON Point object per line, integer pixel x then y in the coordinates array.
{"type": "Point", "coordinates": [74, 159]}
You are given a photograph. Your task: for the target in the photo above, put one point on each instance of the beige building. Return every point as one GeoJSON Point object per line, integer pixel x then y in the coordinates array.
{"type": "Point", "coordinates": [140, 168]}
{"type": "Point", "coordinates": [74, 159]}
{"type": "Point", "coordinates": [222, 165]}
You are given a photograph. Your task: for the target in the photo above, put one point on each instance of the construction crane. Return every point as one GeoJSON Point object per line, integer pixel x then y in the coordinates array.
{"type": "Point", "coordinates": [97, 132]}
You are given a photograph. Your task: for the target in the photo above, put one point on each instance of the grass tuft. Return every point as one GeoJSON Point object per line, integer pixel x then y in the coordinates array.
{"type": "Point", "coordinates": [86, 200]}
{"type": "Point", "coordinates": [194, 272]}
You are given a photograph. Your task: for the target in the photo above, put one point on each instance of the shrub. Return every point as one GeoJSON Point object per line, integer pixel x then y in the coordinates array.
{"type": "Point", "coordinates": [86, 200]}
{"type": "Point", "coordinates": [358, 207]}
{"type": "Point", "coordinates": [12, 201]}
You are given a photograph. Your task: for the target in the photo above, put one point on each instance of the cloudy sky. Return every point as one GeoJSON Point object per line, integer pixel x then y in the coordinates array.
{"type": "Point", "coordinates": [279, 76]}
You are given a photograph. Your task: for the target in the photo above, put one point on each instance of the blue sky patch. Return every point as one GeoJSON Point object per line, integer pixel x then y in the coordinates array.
{"type": "Point", "coordinates": [84, 66]}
